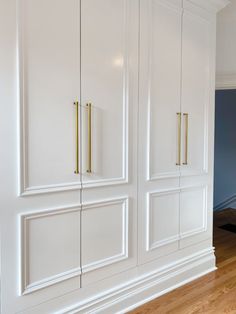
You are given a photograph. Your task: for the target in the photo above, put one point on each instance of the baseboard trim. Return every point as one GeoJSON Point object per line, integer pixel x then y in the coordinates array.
{"type": "Point", "coordinates": [153, 297]}
{"type": "Point", "coordinates": [147, 287]}
{"type": "Point", "coordinates": [226, 203]}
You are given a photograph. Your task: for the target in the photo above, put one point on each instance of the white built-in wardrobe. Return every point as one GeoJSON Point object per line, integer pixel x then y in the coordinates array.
{"type": "Point", "coordinates": [107, 120]}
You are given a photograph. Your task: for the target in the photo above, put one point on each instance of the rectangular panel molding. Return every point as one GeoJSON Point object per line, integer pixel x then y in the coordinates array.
{"type": "Point", "coordinates": [193, 215]}
{"type": "Point", "coordinates": [166, 215]}
{"type": "Point", "coordinates": [162, 218]}
{"type": "Point", "coordinates": [106, 233]}
{"type": "Point", "coordinates": [50, 248]}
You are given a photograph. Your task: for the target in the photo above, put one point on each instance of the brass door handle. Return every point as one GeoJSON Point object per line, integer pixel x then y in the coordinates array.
{"type": "Point", "coordinates": [76, 103]}
{"type": "Point", "coordinates": [178, 163]}
{"type": "Point", "coordinates": [186, 115]}
{"type": "Point", "coordinates": [89, 107]}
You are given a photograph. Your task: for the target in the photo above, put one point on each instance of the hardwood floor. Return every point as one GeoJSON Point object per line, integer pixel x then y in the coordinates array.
{"type": "Point", "coordinates": [212, 294]}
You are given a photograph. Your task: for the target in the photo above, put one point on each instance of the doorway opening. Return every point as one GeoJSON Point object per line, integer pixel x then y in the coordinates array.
{"type": "Point", "coordinates": [225, 176]}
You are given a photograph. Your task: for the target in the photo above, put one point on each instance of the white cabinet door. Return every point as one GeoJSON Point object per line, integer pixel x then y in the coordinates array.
{"type": "Point", "coordinates": [109, 82]}
{"type": "Point", "coordinates": [159, 127]}
{"type": "Point", "coordinates": [197, 125]}
{"type": "Point", "coordinates": [49, 85]}
{"type": "Point", "coordinates": [196, 47]}
{"type": "Point", "coordinates": [40, 233]}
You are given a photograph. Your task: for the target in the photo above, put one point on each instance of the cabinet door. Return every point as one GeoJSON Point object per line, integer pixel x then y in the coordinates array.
{"type": "Point", "coordinates": [159, 127]}
{"type": "Point", "coordinates": [49, 85]}
{"type": "Point", "coordinates": [109, 82]}
{"type": "Point", "coordinates": [195, 92]}
{"type": "Point", "coordinates": [40, 230]}
{"type": "Point", "coordinates": [197, 125]}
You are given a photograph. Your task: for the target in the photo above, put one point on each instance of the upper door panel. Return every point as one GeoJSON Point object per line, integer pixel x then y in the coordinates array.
{"type": "Point", "coordinates": [49, 33]}
{"type": "Point", "coordinates": [195, 91]}
{"type": "Point", "coordinates": [162, 88]}
{"type": "Point", "coordinates": [106, 60]}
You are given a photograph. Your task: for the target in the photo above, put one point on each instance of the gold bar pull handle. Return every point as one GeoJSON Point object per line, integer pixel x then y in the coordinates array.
{"type": "Point", "coordinates": [186, 115]}
{"type": "Point", "coordinates": [178, 163]}
{"type": "Point", "coordinates": [76, 103]}
{"type": "Point", "coordinates": [89, 107]}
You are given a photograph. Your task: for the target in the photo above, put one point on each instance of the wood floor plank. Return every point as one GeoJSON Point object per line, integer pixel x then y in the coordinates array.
{"type": "Point", "coordinates": [214, 293]}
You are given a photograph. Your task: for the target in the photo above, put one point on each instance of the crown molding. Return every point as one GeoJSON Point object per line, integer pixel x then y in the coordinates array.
{"type": "Point", "coordinates": [211, 5]}
{"type": "Point", "coordinates": [225, 81]}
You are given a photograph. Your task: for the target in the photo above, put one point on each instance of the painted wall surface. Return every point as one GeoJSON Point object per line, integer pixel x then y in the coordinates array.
{"type": "Point", "coordinates": [226, 47]}
{"type": "Point", "coordinates": [225, 148]}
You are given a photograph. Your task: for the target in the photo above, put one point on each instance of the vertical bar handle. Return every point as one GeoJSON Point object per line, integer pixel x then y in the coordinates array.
{"type": "Point", "coordinates": [89, 107]}
{"type": "Point", "coordinates": [76, 103]}
{"type": "Point", "coordinates": [186, 115]}
{"type": "Point", "coordinates": [178, 163]}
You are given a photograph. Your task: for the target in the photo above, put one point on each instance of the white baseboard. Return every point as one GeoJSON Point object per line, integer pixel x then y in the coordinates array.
{"type": "Point", "coordinates": [148, 287]}
{"type": "Point", "coordinates": [230, 202]}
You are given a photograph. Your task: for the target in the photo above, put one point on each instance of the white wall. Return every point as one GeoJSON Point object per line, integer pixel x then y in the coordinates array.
{"type": "Point", "coordinates": [225, 150]}
{"type": "Point", "coordinates": [226, 47]}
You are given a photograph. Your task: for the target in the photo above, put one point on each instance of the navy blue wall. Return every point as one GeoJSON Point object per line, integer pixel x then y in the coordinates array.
{"type": "Point", "coordinates": [225, 146]}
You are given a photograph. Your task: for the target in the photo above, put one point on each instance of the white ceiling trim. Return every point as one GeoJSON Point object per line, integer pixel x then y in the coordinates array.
{"type": "Point", "coordinates": [225, 81]}
{"type": "Point", "coordinates": [212, 5]}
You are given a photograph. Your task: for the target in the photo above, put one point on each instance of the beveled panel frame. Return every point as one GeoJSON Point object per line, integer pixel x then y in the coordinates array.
{"type": "Point", "coordinates": [124, 202]}
{"type": "Point", "coordinates": [152, 246]}
{"type": "Point", "coordinates": [149, 245]}
{"type": "Point", "coordinates": [25, 286]}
